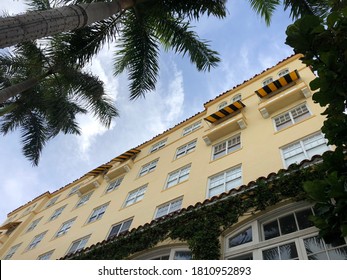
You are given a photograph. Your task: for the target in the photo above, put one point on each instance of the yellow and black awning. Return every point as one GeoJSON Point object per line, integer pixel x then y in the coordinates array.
{"type": "Point", "coordinates": [227, 110]}
{"type": "Point", "coordinates": [125, 156]}
{"type": "Point", "coordinates": [99, 170]}
{"type": "Point", "coordinates": [279, 83]}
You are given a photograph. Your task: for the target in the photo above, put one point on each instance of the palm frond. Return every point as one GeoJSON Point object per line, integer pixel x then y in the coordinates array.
{"type": "Point", "coordinates": [299, 8]}
{"type": "Point", "coordinates": [265, 8]}
{"type": "Point", "coordinates": [176, 34]}
{"type": "Point", "coordinates": [38, 5]}
{"type": "Point", "coordinates": [138, 54]}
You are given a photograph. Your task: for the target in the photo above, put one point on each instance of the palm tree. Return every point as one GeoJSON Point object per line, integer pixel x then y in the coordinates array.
{"type": "Point", "coordinates": [37, 24]}
{"type": "Point", "coordinates": [49, 105]}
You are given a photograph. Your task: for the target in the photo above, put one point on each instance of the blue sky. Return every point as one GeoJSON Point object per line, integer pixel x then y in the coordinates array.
{"type": "Point", "coordinates": [246, 46]}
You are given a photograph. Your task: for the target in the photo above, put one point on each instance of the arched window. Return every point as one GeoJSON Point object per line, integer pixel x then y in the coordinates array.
{"type": "Point", "coordinates": [167, 253]}
{"type": "Point", "coordinates": [283, 72]}
{"type": "Point", "coordinates": [235, 98]}
{"type": "Point", "coordinates": [222, 105]}
{"type": "Point", "coordinates": [267, 81]}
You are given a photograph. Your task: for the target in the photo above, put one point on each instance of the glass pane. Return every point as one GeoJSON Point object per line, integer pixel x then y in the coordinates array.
{"type": "Point", "coordinates": [338, 241]}
{"type": "Point", "coordinates": [302, 218]}
{"type": "Point", "coordinates": [183, 255]}
{"type": "Point", "coordinates": [271, 254]}
{"type": "Point", "coordinates": [313, 245]}
{"type": "Point", "coordinates": [241, 238]}
{"type": "Point", "coordinates": [271, 230]}
{"type": "Point", "coordinates": [338, 254]}
{"type": "Point", "coordinates": [287, 224]}
{"type": "Point", "coordinates": [245, 257]}
{"type": "Point", "coordinates": [288, 251]}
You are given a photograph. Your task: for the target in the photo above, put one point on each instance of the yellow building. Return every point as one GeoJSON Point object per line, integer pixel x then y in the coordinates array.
{"type": "Point", "coordinates": [248, 132]}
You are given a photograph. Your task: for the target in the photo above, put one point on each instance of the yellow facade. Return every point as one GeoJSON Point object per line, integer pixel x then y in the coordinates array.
{"type": "Point", "coordinates": [172, 159]}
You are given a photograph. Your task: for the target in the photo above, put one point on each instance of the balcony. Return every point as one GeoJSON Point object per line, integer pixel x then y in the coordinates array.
{"type": "Point", "coordinates": [118, 170]}
{"type": "Point", "coordinates": [230, 125]}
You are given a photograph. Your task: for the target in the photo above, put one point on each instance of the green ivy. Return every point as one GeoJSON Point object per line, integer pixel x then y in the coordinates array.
{"type": "Point", "coordinates": [201, 226]}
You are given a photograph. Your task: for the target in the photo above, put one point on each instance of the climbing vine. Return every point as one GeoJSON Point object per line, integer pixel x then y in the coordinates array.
{"type": "Point", "coordinates": [202, 225]}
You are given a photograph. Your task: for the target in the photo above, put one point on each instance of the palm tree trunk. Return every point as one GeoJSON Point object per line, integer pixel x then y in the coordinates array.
{"type": "Point", "coordinates": [37, 24]}
{"type": "Point", "coordinates": [13, 90]}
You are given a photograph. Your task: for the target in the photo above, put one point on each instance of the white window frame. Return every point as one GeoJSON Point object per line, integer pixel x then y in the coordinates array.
{"type": "Point", "coordinates": [123, 226]}
{"type": "Point", "coordinates": [65, 227]}
{"type": "Point", "coordinates": [56, 213]}
{"type": "Point", "coordinates": [283, 72]}
{"type": "Point", "coordinates": [73, 190]}
{"type": "Point", "coordinates": [135, 196]}
{"type": "Point", "coordinates": [81, 243]}
{"type": "Point", "coordinates": [169, 207]}
{"type": "Point", "coordinates": [291, 117]}
{"type": "Point", "coordinates": [302, 147]}
{"type": "Point", "coordinates": [178, 176]}
{"type": "Point", "coordinates": [236, 173]}
{"type": "Point", "coordinates": [12, 251]}
{"type": "Point", "coordinates": [114, 184]}
{"type": "Point", "coordinates": [52, 201]}
{"type": "Point", "coordinates": [45, 256]}
{"type": "Point", "coordinates": [236, 97]}
{"type": "Point", "coordinates": [97, 213]}
{"type": "Point", "coordinates": [36, 240]}
{"type": "Point", "coordinates": [186, 149]}
{"type": "Point", "coordinates": [83, 199]}
{"type": "Point", "coordinates": [164, 253]}
{"type": "Point", "coordinates": [33, 224]}
{"type": "Point", "coordinates": [191, 128]}
{"type": "Point", "coordinates": [149, 167]}
{"type": "Point", "coordinates": [157, 146]}
{"type": "Point", "coordinates": [267, 81]}
{"type": "Point", "coordinates": [234, 145]}
{"type": "Point", "coordinates": [222, 105]}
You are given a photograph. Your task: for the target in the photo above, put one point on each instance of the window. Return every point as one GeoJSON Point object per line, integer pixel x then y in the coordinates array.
{"type": "Point", "coordinates": [12, 251]}
{"type": "Point", "coordinates": [191, 128]}
{"type": "Point", "coordinates": [177, 176]}
{"type": "Point", "coordinates": [168, 208]}
{"type": "Point", "coordinates": [114, 184]}
{"type": "Point", "coordinates": [158, 146]}
{"type": "Point", "coordinates": [283, 234]}
{"type": "Point", "coordinates": [33, 224]}
{"type": "Point", "coordinates": [78, 245]}
{"type": "Point", "coordinates": [119, 228]}
{"type": "Point", "coordinates": [149, 167]}
{"type": "Point", "coordinates": [225, 181]}
{"type": "Point", "coordinates": [306, 148]}
{"type": "Point", "coordinates": [283, 72]}
{"type": "Point", "coordinates": [73, 190]}
{"type": "Point", "coordinates": [65, 227]}
{"type": "Point", "coordinates": [241, 238]}
{"type": "Point", "coordinates": [28, 210]}
{"type": "Point", "coordinates": [52, 201]}
{"type": "Point", "coordinates": [46, 256]}
{"type": "Point", "coordinates": [56, 213]}
{"type": "Point", "coordinates": [267, 81]}
{"type": "Point", "coordinates": [291, 117]}
{"type": "Point", "coordinates": [97, 213]}
{"type": "Point", "coordinates": [186, 149]}
{"type": "Point", "coordinates": [287, 224]}
{"type": "Point", "coordinates": [178, 253]}
{"type": "Point", "coordinates": [83, 200]}
{"type": "Point", "coordinates": [237, 97]}
{"type": "Point", "coordinates": [37, 239]}
{"type": "Point", "coordinates": [227, 146]}
{"type": "Point", "coordinates": [222, 105]}
{"type": "Point", "coordinates": [135, 195]}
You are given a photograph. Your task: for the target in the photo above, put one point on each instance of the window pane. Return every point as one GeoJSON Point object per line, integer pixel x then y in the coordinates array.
{"type": "Point", "coordinates": [338, 254]}
{"type": "Point", "coordinates": [313, 245]}
{"type": "Point", "coordinates": [302, 218]}
{"type": "Point", "coordinates": [246, 257]}
{"type": "Point", "coordinates": [241, 238]}
{"type": "Point", "coordinates": [183, 255]}
{"type": "Point", "coordinates": [287, 224]}
{"type": "Point", "coordinates": [271, 230]}
{"type": "Point", "coordinates": [288, 251]}
{"type": "Point", "coordinates": [271, 254]}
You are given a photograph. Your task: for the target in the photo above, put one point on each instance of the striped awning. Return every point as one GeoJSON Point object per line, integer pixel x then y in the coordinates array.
{"type": "Point", "coordinates": [125, 156]}
{"type": "Point", "coordinates": [99, 170]}
{"type": "Point", "coordinates": [279, 83]}
{"type": "Point", "coordinates": [9, 225]}
{"type": "Point", "coordinates": [225, 111]}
